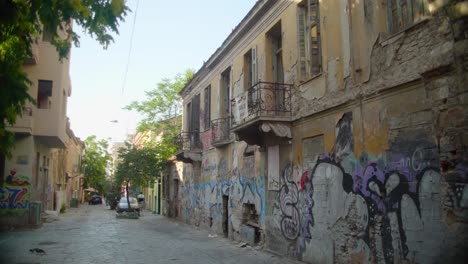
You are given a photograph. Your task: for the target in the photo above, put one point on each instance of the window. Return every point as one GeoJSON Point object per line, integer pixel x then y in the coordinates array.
{"type": "Point", "coordinates": [207, 108]}
{"type": "Point", "coordinates": [189, 116]}
{"type": "Point", "coordinates": [193, 114]}
{"type": "Point", "coordinates": [251, 75]}
{"type": "Point", "coordinates": [44, 93]}
{"type": "Point", "coordinates": [310, 56]}
{"type": "Point", "coordinates": [404, 13]}
{"type": "Point", "coordinates": [225, 92]}
{"type": "Point", "coordinates": [47, 35]}
{"type": "Point", "coordinates": [276, 53]}
{"type": "Point", "coordinates": [250, 68]}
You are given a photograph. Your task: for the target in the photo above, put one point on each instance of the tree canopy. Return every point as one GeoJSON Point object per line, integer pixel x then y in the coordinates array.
{"type": "Point", "coordinates": [163, 104]}
{"type": "Point", "coordinates": [162, 112]}
{"type": "Point", "coordinates": [21, 24]}
{"type": "Point", "coordinates": [137, 165]}
{"type": "Point", "coordinates": [95, 161]}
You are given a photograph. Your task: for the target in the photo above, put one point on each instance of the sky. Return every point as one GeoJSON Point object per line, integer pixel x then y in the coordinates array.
{"type": "Point", "coordinates": [169, 37]}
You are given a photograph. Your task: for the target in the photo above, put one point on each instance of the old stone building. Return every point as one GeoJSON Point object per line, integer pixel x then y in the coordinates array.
{"type": "Point", "coordinates": [333, 132]}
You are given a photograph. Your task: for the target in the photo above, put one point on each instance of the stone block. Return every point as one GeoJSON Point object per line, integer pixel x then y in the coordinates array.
{"type": "Point", "coordinates": [440, 93]}
{"type": "Point", "coordinates": [422, 117]}
{"type": "Point", "coordinates": [399, 122]}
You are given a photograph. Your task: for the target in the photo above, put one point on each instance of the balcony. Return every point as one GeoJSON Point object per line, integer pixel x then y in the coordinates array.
{"type": "Point", "coordinates": [220, 132]}
{"type": "Point", "coordinates": [190, 147]}
{"type": "Point", "coordinates": [264, 108]}
{"type": "Point", "coordinates": [24, 123]}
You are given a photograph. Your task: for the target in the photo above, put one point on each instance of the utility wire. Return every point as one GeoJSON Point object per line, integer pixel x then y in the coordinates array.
{"type": "Point", "coordinates": [130, 48]}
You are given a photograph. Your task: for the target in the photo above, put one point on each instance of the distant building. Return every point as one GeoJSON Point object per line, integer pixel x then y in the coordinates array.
{"type": "Point", "coordinates": [333, 132]}
{"type": "Point", "coordinates": [73, 175]}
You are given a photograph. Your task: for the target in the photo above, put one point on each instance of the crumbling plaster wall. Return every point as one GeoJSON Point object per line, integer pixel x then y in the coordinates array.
{"type": "Point", "coordinates": [391, 184]}
{"type": "Point", "coordinates": [223, 172]}
{"type": "Point", "coordinates": [376, 193]}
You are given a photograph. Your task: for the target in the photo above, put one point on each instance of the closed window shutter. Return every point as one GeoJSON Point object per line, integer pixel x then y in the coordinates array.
{"type": "Point", "coordinates": [254, 66]}
{"type": "Point", "coordinates": [314, 33]}
{"type": "Point", "coordinates": [302, 42]}
{"type": "Point", "coordinates": [196, 113]}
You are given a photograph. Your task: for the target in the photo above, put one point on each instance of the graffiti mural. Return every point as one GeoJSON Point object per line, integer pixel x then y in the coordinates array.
{"type": "Point", "coordinates": [456, 175]}
{"type": "Point", "coordinates": [14, 194]}
{"type": "Point", "coordinates": [378, 208]}
{"type": "Point", "coordinates": [288, 204]}
{"type": "Point", "coordinates": [328, 194]}
{"type": "Point", "coordinates": [203, 201]}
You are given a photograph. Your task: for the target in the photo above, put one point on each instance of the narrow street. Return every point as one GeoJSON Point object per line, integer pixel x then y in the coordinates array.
{"type": "Point", "coordinates": [92, 234]}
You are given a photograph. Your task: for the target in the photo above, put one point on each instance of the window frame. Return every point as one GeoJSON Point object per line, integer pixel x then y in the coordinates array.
{"type": "Point", "coordinates": [44, 94]}
{"type": "Point", "coordinates": [207, 107]}
{"type": "Point", "coordinates": [309, 48]}
{"type": "Point", "coordinates": [407, 13]}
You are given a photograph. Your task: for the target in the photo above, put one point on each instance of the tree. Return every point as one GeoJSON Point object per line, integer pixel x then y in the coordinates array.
{"type": "Point", "coordinates": [22, 22]}
{"type": "Point", "coordinates": [162, 111]}
{"type": "Point", "coordinates": [137, 166]}
{"type": "Point", "coordinates": [95, 160]}
{"type": "Point", "coordinates": [163, 105]}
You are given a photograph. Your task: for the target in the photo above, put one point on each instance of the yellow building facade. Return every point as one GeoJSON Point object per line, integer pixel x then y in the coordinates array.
{"type": "Point", "coordinates": [332, 132]}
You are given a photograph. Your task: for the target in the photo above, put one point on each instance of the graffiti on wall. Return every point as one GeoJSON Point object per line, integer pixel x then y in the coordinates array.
{"type": "Point", "coordinates": [456, 174]}
{"type": "Point", "coordinates": [273, 168]}
{"type": "Point", "coordinates": [203, 201]}
{"type": "Point", "coordinates": [14, 193]}
{"type": "Point", "coordinates": [210, 166]}
{"type": "Point", "coordinates": [289, 198]}
{"type": "Point", "coordinates": [386, 203]}
{"type": "Point", "coordinates": [206, 139]}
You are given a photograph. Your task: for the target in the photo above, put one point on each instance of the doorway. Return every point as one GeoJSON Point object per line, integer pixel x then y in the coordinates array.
{"type": "Point", "coordinates": [158, 202]}
{"type": "Point", "coordinates": [225, 216]}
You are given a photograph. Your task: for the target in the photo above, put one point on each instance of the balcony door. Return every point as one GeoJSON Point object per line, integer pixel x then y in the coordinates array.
{"type": "Point", "coordinates": [194, 124]}
{"type": "Point", "coordinates": [274, 97]}
{"type": "Point", "coordinates": [225, 101]}
{"type": "Point", "coordinates": [276, 52]}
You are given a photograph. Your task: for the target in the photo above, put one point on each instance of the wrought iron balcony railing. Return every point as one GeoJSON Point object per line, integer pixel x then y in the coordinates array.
{"type": "Point", "coordinates": [188, 141]}
{"type": "Point", "coordinates": [220, 131]}
{"type": "Point", "coordinates": [268, 100]}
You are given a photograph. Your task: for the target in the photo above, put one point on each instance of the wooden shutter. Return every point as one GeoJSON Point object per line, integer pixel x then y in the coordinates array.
{"type": "Point", "coordinates": [314, 33]}
{"type": "Point", "coordinates": [196, 113]}
{"type": "Point", "coordinates": [207, 108]}
{"type": "Point", "coordinates": [301, 13]}
{"type": "Point", "coordinates": [254, 66]}
{"type": "Point", "coordinates": [189, 117]}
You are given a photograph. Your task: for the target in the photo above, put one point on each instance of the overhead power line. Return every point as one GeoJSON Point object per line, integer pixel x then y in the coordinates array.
{"type": "Point", "coordinates": [130, 48]}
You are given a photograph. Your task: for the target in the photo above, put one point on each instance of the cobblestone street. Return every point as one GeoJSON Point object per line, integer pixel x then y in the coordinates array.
{"type": "Point", "coordinates": [92, 234]}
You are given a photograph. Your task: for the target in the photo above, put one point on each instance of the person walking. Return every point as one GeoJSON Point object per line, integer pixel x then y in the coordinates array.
{"type": "Point", "coordinates": [141, 201]}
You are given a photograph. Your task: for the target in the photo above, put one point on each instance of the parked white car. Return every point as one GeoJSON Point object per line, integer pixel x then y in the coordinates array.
{"type": "Point", "coordinates": [122, 206]}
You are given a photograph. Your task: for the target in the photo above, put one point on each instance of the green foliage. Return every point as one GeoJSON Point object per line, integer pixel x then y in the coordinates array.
{"type": "Point", "coordinates": [137, 165]}
{"type": "Point", "coordinates": [113, 198]}
{"type": "Point", "coordinates": [95, 160]}
{"type": "Point", "coordinates": [112, 192]}
{"type": "Point", "coordinates": [162, 111]}
{"type": "Point", "coordinates": [163, 104]}
{"type": "Point", "coordinates": [21, 24]}
{"type": "Point", "coordinates": [63, 208]}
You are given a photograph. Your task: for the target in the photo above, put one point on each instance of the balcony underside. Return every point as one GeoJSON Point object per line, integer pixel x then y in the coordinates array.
{"type": "Point", "coordinates": [50, 141]}
{"type": "Point", "coordinates": [255, 131]}
{"type": "Point", "coordinates": [221, 143]}
{"type": "Point", "coordinates": [189, 156]}
{"type": "Point", "coordinates": [21, 130]}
